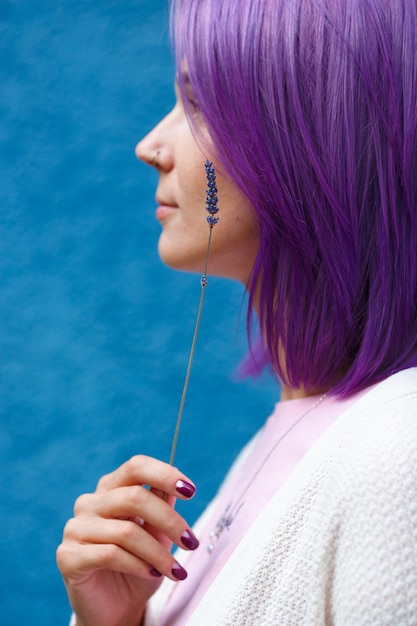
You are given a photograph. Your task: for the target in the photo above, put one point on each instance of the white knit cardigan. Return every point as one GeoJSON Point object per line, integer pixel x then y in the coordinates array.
{"type": "Point", "coordinates": [337, 544]}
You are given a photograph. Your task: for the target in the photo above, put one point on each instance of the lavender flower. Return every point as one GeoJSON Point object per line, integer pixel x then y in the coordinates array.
{"type": "Point", "coordinates": [211, 197]}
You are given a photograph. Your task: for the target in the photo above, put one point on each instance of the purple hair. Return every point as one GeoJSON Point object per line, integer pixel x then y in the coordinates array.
{"type": "Point", "coordinates": [312, 107]}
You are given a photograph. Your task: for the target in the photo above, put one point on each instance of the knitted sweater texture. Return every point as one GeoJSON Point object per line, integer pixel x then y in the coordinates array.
{"type": "Point", "coordinates": [337, 544]}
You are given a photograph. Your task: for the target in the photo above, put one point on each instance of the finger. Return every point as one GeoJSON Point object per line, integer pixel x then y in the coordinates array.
{"type": "Point", "coordinates": [164, 496]}
{"type": "Point", "coordinates": [76, 566]}
{"type": "Point", "coordinates": [153, 530]}
{"type": "Point", "coordinates": [159, 518]}
{"type": "Point", "coordinates": [145, 470]}
{"type": "Point", "coordinates": [146, 555]}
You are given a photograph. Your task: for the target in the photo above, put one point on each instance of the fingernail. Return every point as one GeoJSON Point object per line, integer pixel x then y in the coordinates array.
{"type": "Point", "coordinates": [179, 572]}
{"type": "Point", "coordinates": [154, 572]}
{"type": "Point", "coordinates": [184, 488]}
{"type": "Point", "coordinates": [189, 540]}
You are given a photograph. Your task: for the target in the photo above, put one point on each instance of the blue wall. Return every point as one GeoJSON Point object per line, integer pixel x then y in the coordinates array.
{"type": "Point", "coordinates": [95, 331]}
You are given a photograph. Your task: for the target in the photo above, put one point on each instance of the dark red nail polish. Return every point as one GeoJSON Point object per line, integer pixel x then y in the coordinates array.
{"type": "Point", "coordinates": [154, 572]}
{"type": "Point", "coordinates": [179, 572]}
{"type": "Point", "coordinates": [184, 488]}
{"type": "Point", "coordinates": [189, 540]}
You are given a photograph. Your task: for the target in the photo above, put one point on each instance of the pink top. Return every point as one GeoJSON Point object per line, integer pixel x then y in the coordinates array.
{"type": "Point", "coordinates": [287, 435]}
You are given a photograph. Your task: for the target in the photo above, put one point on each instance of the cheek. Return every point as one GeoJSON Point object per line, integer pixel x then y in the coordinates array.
{"type": "Point", "coordinates": [184, 238]}
{"type": "Point", "coordinates": [235, 210]}
{"type": "Point", "coordinates": [235, 241]}
{"type": "Point", "coordinates": [236, 230]}
{"type": "Point", "coordinates": [192, 185]}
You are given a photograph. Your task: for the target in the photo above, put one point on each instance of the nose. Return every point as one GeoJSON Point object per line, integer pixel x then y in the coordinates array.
{"type": "Point", "coordinates": [155, 150]}
{"type": "Point", "coordinates": [145, 149]}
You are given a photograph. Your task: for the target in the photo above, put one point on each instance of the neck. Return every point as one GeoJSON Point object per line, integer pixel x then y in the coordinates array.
{"type": "Point", "coordinates": [289, 393]}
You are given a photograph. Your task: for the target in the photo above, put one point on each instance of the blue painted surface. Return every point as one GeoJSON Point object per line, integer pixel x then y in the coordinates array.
{"type": "Point", "coordinates": [95, 331]}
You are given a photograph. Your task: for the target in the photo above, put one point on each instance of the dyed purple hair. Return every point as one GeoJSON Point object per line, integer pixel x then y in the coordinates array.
{"type": "Point", "coordinates": [312, 108]}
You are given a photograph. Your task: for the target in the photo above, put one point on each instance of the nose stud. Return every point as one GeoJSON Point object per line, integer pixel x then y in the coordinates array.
{"type": "Point", "coordinates": [155, 157]}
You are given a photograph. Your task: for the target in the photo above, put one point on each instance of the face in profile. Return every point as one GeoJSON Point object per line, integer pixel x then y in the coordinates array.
{"type": "Point", "coordinates": [181, 196]}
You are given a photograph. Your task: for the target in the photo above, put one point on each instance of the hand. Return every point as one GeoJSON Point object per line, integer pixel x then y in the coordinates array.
{"type": "Point", "coordinates": [116, 548]}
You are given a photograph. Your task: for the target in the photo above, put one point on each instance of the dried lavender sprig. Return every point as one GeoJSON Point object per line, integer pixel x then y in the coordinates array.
{"type": "Point", "coordinates": [211, 194]}
{"type": "Point", "coordinates": [212, 208]}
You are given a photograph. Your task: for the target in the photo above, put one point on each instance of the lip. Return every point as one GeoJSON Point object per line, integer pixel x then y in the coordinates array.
{"type": "Point", "coordinates": [164, 209]}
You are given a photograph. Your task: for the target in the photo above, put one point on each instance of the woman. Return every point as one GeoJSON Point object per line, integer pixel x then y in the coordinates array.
{"type": "Point", "coordinates": [308, 109]}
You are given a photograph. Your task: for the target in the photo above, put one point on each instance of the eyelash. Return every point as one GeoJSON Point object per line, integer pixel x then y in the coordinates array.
{"type": "Point", "coordinates": [188, 98]}
{"type": "Point", "coordinates": [194, 104]}
{"type": "Point", "coordinates": [192, 101]}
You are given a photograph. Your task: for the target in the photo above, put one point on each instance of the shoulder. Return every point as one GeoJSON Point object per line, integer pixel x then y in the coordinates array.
{"type": "Point", "coordinates": [380, 442]}
{"type": "Point", "coordinates": [349, 531]}
{"type": "Point", "coordinates": [369, 471]}
{"type": "Point", "coordinates": [373, 489]}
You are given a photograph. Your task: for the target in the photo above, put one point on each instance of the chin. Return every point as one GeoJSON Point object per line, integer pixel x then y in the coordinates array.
{"type": "Point", "coordinates": [182, 256]}
{"type": "Point", "coordinates": [175, 258]}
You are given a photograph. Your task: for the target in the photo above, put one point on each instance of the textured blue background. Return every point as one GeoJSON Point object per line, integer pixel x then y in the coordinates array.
{"type": "Point", "coordinates": [95, 331]}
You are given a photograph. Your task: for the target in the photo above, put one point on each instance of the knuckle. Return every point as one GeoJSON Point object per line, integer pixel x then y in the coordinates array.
{"type": "Point", "coordinates": [136, 495]}
{"type": "Point", "coordinates": [81, 503]}
{"type": "Point", "coordinates": [103, 482]}
{"type": "Point", "coordinates": [127, 531]}
{"type": "Point", "coordinates": [134, 466]}
{"type": "Point", "coordinates": [109, 555]}
{"type": "Point", "coordinates": [69, 529]}
{"type": "Point", "coordinates": [172, 524]}
{"type": "Point", "coordinates": [64, 558]}
{"type": "Point", "coordinates": [61, 553]}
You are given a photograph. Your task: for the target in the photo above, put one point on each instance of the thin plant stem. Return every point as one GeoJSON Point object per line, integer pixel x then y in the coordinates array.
{"type": "Point", "coordinates": [212, 209]}
{"type": "Point", "coordinates": [191, 356]}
